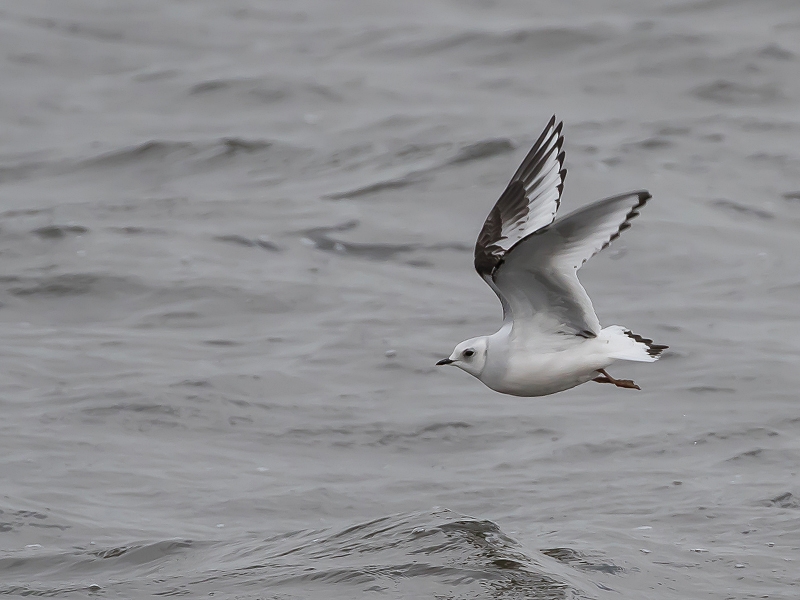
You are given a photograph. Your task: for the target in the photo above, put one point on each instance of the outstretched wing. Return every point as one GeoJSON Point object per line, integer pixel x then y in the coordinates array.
{"type": "Point", "coordinates": [529, 202]}
{"type": "Point", "coordinates": [537, 281]}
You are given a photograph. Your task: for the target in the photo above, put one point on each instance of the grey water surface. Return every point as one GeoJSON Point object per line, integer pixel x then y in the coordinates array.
{"type": "Point", "coordinates": [236, 236]}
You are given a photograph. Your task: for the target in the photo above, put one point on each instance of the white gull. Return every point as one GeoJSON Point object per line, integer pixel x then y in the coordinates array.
{"type": "Point", "coordinates": [551, 339]}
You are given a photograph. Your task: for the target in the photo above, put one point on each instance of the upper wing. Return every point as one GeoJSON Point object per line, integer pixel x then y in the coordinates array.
{"type": "Point", "coordinates": [529, 202]}
{"type": "Point", "coordinates": [537, 280]}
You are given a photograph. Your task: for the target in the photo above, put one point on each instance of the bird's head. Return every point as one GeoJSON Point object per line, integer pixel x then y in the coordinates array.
{"type": "Point", "coordinates": [469, 356]}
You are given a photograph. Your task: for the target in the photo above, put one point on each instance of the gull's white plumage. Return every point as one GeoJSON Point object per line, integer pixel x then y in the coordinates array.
{"type": "Point", "coordinates": [551, 339]}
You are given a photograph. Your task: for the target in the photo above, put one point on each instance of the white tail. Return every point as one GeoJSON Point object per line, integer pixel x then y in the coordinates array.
{"type": "Point", "coordinates": [626, 345]}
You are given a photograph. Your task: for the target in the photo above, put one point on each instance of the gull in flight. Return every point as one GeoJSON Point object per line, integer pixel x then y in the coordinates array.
{"type": "Point", "coordinates": [551, 339]}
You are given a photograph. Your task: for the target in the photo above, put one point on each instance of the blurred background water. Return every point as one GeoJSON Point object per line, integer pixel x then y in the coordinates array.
{"type": "Point", "coordinates": [236, 236]}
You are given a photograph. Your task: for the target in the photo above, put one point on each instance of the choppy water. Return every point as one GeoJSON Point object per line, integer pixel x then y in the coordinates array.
{"type": "Point", "coordinates": [236, 236]}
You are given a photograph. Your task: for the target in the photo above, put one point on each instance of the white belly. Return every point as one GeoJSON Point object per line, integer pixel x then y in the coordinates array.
{"type": "Point", "coordinates": [533, 374]}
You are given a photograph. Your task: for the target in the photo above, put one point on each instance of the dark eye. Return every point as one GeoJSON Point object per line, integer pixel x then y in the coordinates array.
{"type": "Point", "coordinates": [469, 352]}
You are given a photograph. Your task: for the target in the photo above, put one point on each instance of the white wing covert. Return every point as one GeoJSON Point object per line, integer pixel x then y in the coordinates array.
{"type": "Point", "coordinates": [530, 260]}
{"type": "Point", "coordinates": [538, 280]}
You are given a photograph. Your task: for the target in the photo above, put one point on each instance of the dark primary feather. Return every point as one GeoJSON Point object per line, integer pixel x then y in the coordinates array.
{"type": "Point", "coordinates": [487, 253]}
{"type": "Point", "coordinates": [529, 202]}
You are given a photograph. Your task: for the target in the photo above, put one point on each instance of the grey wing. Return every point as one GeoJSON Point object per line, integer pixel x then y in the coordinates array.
{"type": "Point", "coordinates": [529, 202]}
{"type": "Point", "coordinates": [538, 278]}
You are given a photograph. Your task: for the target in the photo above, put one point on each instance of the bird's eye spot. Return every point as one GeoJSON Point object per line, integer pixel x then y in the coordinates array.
{"type": "Point", "coordinates": [469, 352]}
